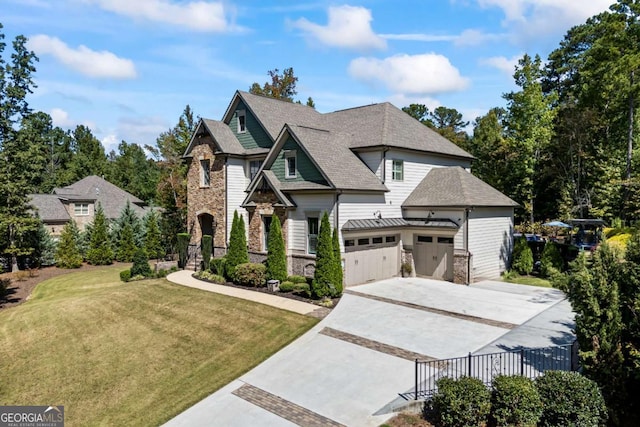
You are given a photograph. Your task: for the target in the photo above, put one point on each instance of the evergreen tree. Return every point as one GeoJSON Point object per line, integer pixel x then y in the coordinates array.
{"type": "Point", "coordinates": [522, 257]}
{"type": "Point", "coordinates": [337, 259]}
{"type": "Point", "coordinates": [206, 251]}
{"type": "Point", "coordinates": [126, 246]}
{"type": "Point", "coordinates": [140, 265]}
{"type": "Point", "coordinates": [127, 217]}
{"type": "Point", "coordinates": [551, 259]}
{"type": "Point", "coordinates": [276, 256]}
{"type": "Point", "coordinates": [237, 252]}
{"type": "Point", "coordinates": [152, 244]}
{"type": "Point", "coordinates": [45, 247]}
{"type": "Point", "coordinates": [100, 252]}
{"type": "Point", "coordinates": [68, 254]}
{"type": "Point", "coordinates": [324, 275]}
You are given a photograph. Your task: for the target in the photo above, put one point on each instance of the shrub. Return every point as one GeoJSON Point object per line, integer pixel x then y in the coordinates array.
{"type": "Point", "coordinates": [206, 251]}
{"type": "Point", "coordinates": [570, 399]}
{"type": "Point", "coordinates": [237, 253]}
{"type": "Point", "coordinates": [4, 286]}
{"type": "Point", "coordinates": [515, 401]}
{"type": "Point", "coordinates": [182, 247]}
{"type": "Point", "coordinates": [297, 279]}
{"type": "Point", "coordinates": [522, 257]}
{"type": "Point", "coordinates": [461, 402]}
{"type": "Point", "coordinates": [287, 286]}
{"type": "Point", "coordinates": [550, 260]}
{"type": "Point", "coordinates": [218, 266]}
{"type": "Point", "coordinates": [324, 274]}
{"type": "Point", "coordinates": [337, 264]}
{"type": "Point", "coordinates": [141, 264]}
{"type": "Point", "coordinates": [99, 252]}
{"type": "Point", "coordinates": [68, 253]}
{"type": "Point", "coordinates": [302, 289]}
{"type": "Point", "coordinates": [125, 275]}
{"type": "Point", "coordinates": [276, 256]}
{"type": "Point", "coordinates": [210, 277]}
{"type": "Point", "coordinates": [161, 273]}
{"type": "Point", "coordinates": [250, 274]}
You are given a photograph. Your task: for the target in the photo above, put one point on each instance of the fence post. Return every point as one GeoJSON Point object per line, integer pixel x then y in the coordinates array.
{"type": "Point", "coordinates": [469, 372]}
{"type": "Point", "coordinates": [416, 389]}
{"type": "Point", "coordinates": [521, 361]}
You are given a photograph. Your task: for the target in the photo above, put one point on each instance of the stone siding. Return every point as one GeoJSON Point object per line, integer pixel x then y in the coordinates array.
{"type": "Point", "coordinates": [264, 206]}
{"type": "Point", "coordinates": [210, 200]}
{"type": "Point", "coordinates": [461, 267]}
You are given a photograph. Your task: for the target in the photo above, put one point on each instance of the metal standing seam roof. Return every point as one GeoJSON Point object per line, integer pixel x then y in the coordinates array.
{"type": "Point", "coordinates": [380, 223]}
{"type": "Point", "coordinates": [455, 187]}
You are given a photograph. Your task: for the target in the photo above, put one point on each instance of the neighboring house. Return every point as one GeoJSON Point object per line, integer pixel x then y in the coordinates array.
{"type": "Point", "coordinates": [78, 201]}
{"type": "Point", "coordinates": [397, 191]}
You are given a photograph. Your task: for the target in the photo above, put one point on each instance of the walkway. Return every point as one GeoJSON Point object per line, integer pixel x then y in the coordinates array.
{"type": "Point", "coordinates": [350, 367]}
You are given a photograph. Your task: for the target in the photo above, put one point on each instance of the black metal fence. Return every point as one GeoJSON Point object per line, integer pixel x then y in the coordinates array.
{"type": "Point", "coordinates": [530, 362]}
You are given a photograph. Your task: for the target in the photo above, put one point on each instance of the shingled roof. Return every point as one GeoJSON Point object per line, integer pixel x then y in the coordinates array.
{"type": "Point", "coordinates": [111, 197]}
{"type": "Point", "coordinates": [49, 207]}
{"type": "Point", "coordinates": [455, 187]}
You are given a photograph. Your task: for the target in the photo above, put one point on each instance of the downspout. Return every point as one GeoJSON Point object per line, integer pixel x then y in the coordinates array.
{"type": "Point", "coordinates": [466, 244]}
{"type": "Point", "coordinates": [384, 165]}
{"type": "Point", "coordinates": [226, 203]}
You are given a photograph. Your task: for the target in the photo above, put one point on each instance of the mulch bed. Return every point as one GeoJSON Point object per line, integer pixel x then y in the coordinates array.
{"type": "Point", "coordinates": [289, 295]}
{"type": "Point", "coordinates": [24, 282]}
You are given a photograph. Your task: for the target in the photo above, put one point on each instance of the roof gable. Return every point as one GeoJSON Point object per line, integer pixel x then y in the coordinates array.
{"type": "Point", "coordinates": [219, 135]}
{"type": "Point", "coordinates": [455, 187]}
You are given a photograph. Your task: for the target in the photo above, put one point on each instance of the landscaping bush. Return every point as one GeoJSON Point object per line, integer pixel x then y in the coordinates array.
{"type": "Point", "coordinates": [276, 255]}
{"type": "Point", "coordinates": [237, 253]}
{"type": "Point", "coordinates": [302, 289]}
{"type": "Point", "coordinates": [4, 286]}
{"type": "Point", "coordinates": [99, 252]}
{"type": "Point", "coordinates": [68, 253]}
{"type": "Point", "coordinates": [522, 257]}
{"type": "Point", "coordinates": [570, 399]}
{"type": "Point", "coordinates": [324, 274]}
{"type": "Point", "coordinates": [337, 264]}
{"type": "Point", "coordinates": [287, 286]}
{"type": "Point", "coordinates": [551, 260]}
{"type": "Point", "coordinates": [125, 275]}
{"type": "Point", "coordinates": [141, 264]}
{"type": "Point", "coordinates": [515, 401]}
{"type": "Point", "coordinates": [161, 273]}
{"type": "Point", "coordinates": [250, 274]}
{"type": "Point", "coordinates": [297, 279]}
{"type": "Point", "coordinates": [206, 251]}
{"type": "Point", "coordinates": [218, 266]}
{"type": "Point", "coordinates": [183, 247]}
{"type": "Point", "coordinates": [461, 402]}
{"type": "Point", "coordinates": [210, 277]}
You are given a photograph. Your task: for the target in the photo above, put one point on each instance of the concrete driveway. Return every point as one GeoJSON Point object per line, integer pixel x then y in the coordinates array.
{"type": "Point", "coordinates": [349, 369]}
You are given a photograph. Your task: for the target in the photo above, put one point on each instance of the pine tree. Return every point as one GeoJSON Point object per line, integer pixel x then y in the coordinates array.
{"type": "Point", "coordinates": [237, 253]}
{"type": "Point", "coordinates": [140, 265]}
{"type": "Point", "coordinates": [126, 246]}
{"type": "Point", "coordinates": [206, 246]}
{"type": "Point", "coordinates": [337, 259]}
{"type": "Point", "coordinates": [324, 275]}
{"type": "Point", "coordinates": [522, 257]}
{"type": "Point", "coordinates": [44, 247]}
{"type": "Point", "coordinates": [276, 256]}
{"type": "Point", "coordinates": [127, 216]}
{"type": "Point", "coordinates": [550, 260]}
{"type": "Point", "coordinates": [100, 252]}
{"type": "Point", "coordinates": [68, 253]}
{"type": "Point", "coordinates": [152, 244]}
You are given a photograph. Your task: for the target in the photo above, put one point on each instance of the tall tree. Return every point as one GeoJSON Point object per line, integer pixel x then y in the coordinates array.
{"type": "Point", "coordinates": [276, 255]}
{"type": "Point", "coordinates": [237, 252]}
{"type": "Point", "coordinates": [282, 86]}
{"type": "Point", "coordinates": [68, 253]}
{"type": "Point", "coordinates": [324, 275]}
{"type": "Point", "coordinates": [529, 123]}
{"type": "Point", "coordinates": [99, 252]}
{"type": "Point", "coordinates": [88, 155]}
{"type": "Point", "coordinates": [491, 149]}
{"type": "Point", "coordinates": [16, 223]}
{"type": "Point", "coordinates": [152, 244]}
{"type": "Point", "coordinates": [337, 260]}
{"type": "Point", "coordinates": [132, 171]}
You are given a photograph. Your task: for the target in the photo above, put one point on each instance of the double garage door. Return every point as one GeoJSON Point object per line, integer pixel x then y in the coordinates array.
{"type": "Point", "coordinates": [371, 258]}
{"type": "Point", "coordinates": [433, 256]}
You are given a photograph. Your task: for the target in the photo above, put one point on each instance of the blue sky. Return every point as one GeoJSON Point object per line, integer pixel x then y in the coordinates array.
{"type": "Point", "coordinates": [127, 68]}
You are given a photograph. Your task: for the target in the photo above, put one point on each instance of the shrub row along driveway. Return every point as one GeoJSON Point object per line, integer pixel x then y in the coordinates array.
{"type": "Point", "coordinates": [350, 367]}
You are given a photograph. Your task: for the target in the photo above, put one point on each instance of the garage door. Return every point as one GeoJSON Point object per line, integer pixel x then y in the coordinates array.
{"type": "Point", "coordinates": [371, 258]}
{"type": "Point", "coordinates": [433, 256]}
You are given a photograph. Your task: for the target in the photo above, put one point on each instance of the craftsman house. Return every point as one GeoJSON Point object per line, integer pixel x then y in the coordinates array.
{"type": "Point", "coordinates": [397, 191]}
{"type": "Point", "coordinates": [78, 201]}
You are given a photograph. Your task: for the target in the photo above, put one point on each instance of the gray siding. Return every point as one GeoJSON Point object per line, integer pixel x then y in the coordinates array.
{"type": "Point", "coordinates": [490, 241]}
{"type": "Point", "coordinates": [305, 169]}
{"type": "Point", "coordinates": [255, 136]}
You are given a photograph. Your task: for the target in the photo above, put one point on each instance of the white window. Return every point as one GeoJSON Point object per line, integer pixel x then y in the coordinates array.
{"type": "Point", "coordinates": [397, 170]}
{"type": "Point", "coordinates": [242, 121]}
{"type": "Point", "coordinates": [205, 173]}
{"type": "Point", "coordinates": [312, 235]}
{"type": "Point", "coordinates": [266, 227]}
{"type": "Point", "coordinates": [290, 164]}
{"type": "Point", "coordinates": [81, 209]}
{"type": "Point", "coordinates": [254, 167]}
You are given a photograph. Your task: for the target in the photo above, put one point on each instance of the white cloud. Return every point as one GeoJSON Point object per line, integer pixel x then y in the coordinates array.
{"type": "Point", "coordinates": [470, 37]}
{"type": "Point", "coordinates": [141, 130]}
{"type": "Point", "coordinates": [506, 65]}
{"type": "Point", "coordinates": [208, 16]}
{"type": "Point", "coordinates": [348, 27]}
{"type": "Point", "coordinates": [103, 64]}
{"type": "Point", "coordinates": [426, 74]}
{"type": "Point", "coordinates": [61, 118]}
{"type": "Point", "coordinates": [528, 19]}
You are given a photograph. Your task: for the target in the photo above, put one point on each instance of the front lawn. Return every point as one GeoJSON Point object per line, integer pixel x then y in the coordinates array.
{"type": "Point", "coordinates": [135, 353]}
{"type": "Point", "coordinates": [527, 280]}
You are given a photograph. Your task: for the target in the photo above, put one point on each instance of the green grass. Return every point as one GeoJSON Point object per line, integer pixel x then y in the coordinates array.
{"type": "Point", "coordinates": [528, 280]}
{"type": "Point", "coordinates": [135, 353]}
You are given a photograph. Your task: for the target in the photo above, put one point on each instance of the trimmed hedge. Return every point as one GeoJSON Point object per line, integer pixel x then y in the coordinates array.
{"type": "Point", "coordinates": [182, 248]}
{"type": "Point", "coordinates": [570, 399]}
{"type": "Point", "coordinates": [297, 279]}
{"type": "Point", "coordinates": [515, 401]}
{"type": "Point", "coordinates": [125, 275]}
{"type": "Point", "coordinates": [461, 402]}
{"type": "Point", "coordinates": [250, 274]}
{"type": "Point", "coordinates": [206, 251]}
{"type": "Point", "coordinates": [286, 286]}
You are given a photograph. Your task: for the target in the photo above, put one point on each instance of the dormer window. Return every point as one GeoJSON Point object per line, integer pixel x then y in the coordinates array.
{"type": "Point", "coordinates": [242, 121]}
{"type": "Point", "coordinates": [290, 164]}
